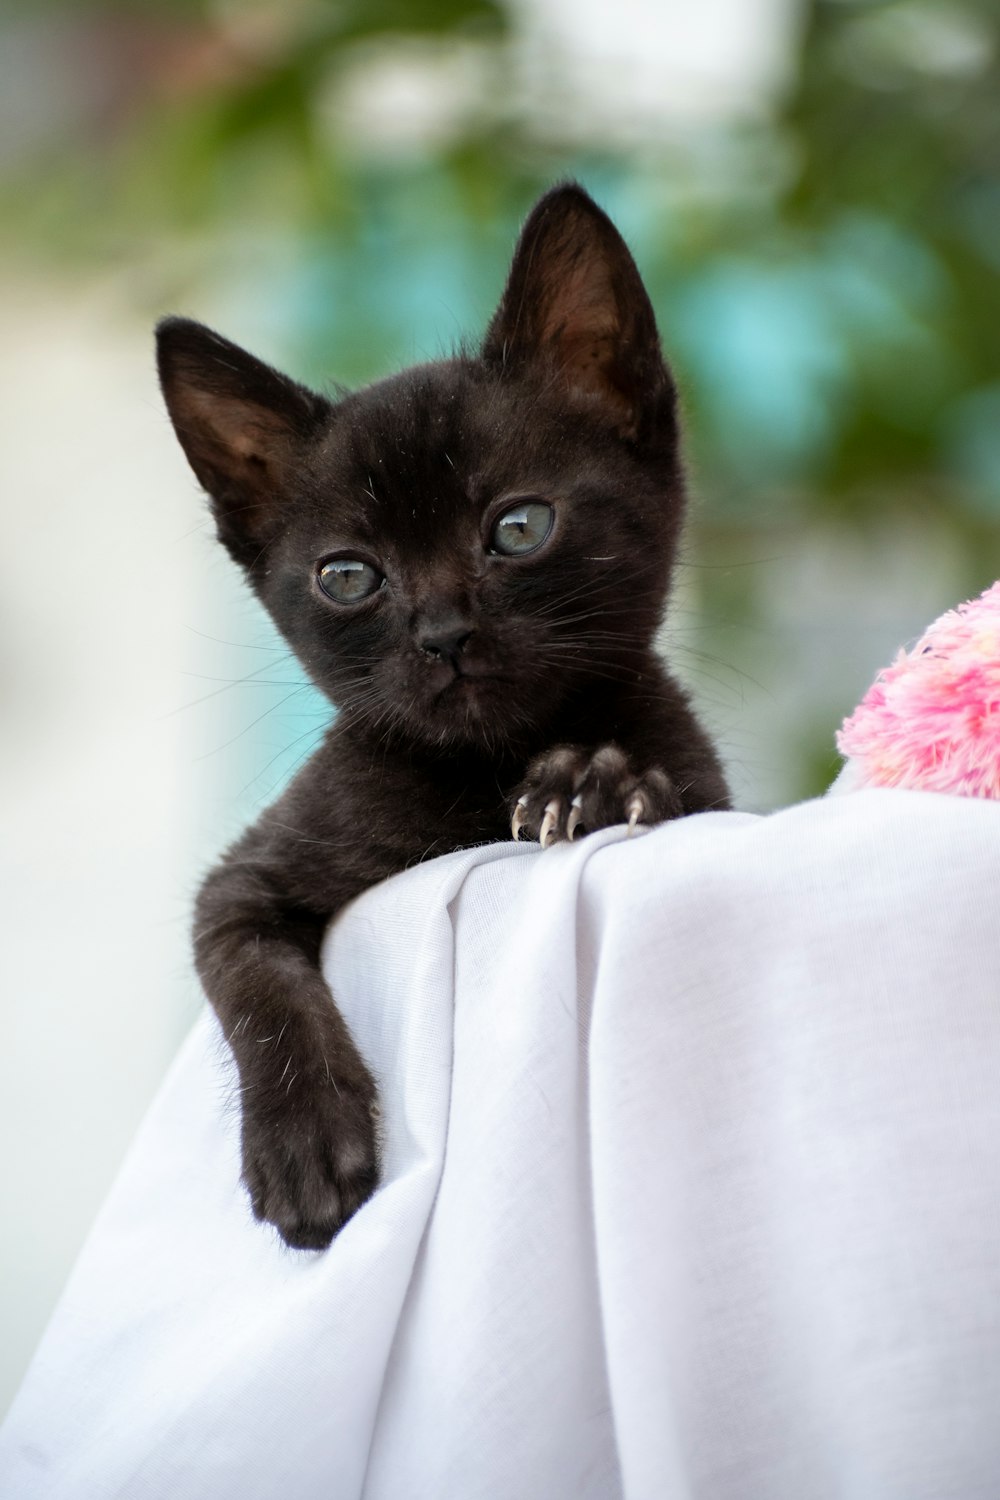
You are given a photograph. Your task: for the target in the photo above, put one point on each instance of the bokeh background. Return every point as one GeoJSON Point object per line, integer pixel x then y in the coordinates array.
{"type": "Point", "coordinates": [812, 191]}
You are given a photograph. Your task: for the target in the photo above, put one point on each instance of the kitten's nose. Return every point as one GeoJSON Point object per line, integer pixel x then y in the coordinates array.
{"type": "Point", "coordinates": [444, 643]}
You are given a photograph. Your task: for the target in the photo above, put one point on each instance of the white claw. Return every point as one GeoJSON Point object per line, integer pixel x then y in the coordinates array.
{"type": "Point", "coordinates": [634, 810]}
{"type": "Point", "coordinates": [548, 823]}
{"type": "Point", "coordinates": [517, 820]}
{"type": "Point", "coordinates": [573, 821]}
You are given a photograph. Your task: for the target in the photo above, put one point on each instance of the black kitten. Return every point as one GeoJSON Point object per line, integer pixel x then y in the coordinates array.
{"type": "Point", "coordinates": [471, 559]}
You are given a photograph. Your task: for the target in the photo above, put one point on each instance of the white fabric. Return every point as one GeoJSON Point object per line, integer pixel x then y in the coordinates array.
{"type": "Point", "coordinates": [692, 1190]}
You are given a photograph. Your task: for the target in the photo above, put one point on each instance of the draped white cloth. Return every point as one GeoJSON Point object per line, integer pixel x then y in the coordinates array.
{"type": "Point", "coordinates": [692, 1192]}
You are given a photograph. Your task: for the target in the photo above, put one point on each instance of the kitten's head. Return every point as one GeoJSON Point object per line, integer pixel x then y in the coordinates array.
{"type": "Point", "coordinates": [456, 552]}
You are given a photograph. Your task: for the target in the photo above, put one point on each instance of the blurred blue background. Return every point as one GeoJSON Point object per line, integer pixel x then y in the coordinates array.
{"type": "Point", "coordinates": [812, 192]}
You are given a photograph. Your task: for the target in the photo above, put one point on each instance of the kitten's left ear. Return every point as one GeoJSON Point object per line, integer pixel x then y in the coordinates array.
{"type": "Point", "coordinates": [575, 308]}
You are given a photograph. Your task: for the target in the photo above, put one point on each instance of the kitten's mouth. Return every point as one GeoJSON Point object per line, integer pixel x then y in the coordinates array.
{"type": "Point", "coordinates": [471, 690]}
{"type": "Point", "coordinates": [464, 682]}
{"type": "Point", "coordinates": [472, 709]}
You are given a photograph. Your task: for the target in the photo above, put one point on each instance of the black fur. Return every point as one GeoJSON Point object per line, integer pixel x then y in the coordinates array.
{"type": "Point", "coordinates": [469, 680]}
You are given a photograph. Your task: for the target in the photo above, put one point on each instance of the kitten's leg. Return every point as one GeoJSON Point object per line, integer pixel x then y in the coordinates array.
{"type": "Point", "coordinates": [309, 1104]}
{"type": "Point", "coordinates": [571, 790]}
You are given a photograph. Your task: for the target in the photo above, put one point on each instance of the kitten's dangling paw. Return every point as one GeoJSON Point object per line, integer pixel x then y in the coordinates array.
{"type": "Point", "coordinates": [571, 791]}
{"type": "Point", "coordinates": [310, 1156]}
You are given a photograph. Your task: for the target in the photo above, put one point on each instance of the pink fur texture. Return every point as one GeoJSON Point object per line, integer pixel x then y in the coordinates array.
{"type": "Point", "coordinates": [931, 721]}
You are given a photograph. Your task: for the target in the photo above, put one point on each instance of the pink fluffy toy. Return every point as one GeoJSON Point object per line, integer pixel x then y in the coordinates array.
{"type": "Point", "coordinates": [931, 721]}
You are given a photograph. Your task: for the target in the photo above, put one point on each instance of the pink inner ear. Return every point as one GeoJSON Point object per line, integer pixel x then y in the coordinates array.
{"type": "Point", "coordinates": [588, 359]}
{"type": "Point", "coordinates": [241, 428]}
{"type": "Point", "coordinates": [581, 328]}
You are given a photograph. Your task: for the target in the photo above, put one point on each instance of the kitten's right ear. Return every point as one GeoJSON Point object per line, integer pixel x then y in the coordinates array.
{"type": "Point", "coordinates": [241, 424]}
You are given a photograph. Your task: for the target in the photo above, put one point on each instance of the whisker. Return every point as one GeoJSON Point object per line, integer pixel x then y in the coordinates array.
{"type": "Point", "coordinates": [241, 645]}
{"type": "Point", "coordinates": [246, 729]}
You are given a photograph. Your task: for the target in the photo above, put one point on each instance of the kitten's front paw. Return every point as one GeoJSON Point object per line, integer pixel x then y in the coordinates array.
{"type": "Point", "coordinates": [310, 1159]}
{"type": "Point", "coordinates": [569, 791]}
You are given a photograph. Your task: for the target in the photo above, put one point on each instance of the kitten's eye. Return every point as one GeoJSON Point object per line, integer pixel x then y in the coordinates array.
{"type": "Point", "coordinates": [522, 529]}
{"type": "Point", "coordinates": [348, 580]}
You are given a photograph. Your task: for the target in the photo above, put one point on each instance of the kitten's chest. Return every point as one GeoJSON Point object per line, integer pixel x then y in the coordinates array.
{"type": "Point", "coordinates": [433, 810]}
{"type": "Point", "coordinates": [369, 817]}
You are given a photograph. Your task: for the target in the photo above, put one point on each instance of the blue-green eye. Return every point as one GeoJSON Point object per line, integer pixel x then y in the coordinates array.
{"type": "Point", "coordinates": [348, 580]}
{"type": "Point", "coordinates": [522, 529]}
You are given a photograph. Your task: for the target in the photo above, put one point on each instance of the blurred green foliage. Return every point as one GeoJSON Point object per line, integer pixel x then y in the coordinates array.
{"type": "Point", "coordinates": [826, 272]}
